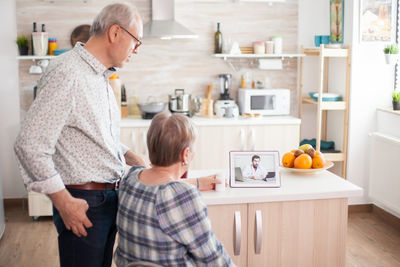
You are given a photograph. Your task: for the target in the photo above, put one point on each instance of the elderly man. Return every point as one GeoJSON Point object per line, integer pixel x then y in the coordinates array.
{"type": "Point", "coordinates": [69, 144]}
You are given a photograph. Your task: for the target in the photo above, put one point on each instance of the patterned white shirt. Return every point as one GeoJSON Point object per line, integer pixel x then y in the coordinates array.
{"type": "Point", "coordinates": [71, 132]}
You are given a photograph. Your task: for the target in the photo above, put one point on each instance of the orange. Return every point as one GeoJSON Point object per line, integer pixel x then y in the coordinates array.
{"type": "Point", "coordinates": [318, 153]}
{"type": "Point", "coordinates": [304, 161]}
{"type": "Point", "coordinates": [288, 160]}
{"type": "Point", "coordinates": [318, 162]}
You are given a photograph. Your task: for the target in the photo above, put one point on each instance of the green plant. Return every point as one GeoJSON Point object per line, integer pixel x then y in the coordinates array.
{"type": "Point", "coordinates": [396, 96]}
{"type": "Point", "coordinates": [22, 41]}
{"type": "Point", "coordinates": [391, 49]}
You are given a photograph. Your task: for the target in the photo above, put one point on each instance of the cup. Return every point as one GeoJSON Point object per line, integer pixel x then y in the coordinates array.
{"type": "Point", "coordinates": [220, 177]}
{"type": "Point", "coordinates": [35, 69]}
{"type": "Point", "coordinates": [269, 47]}
{"type": "Point", "coordinates": [325, 39]}
{"type": "Point", "coordinates": [317, 40]}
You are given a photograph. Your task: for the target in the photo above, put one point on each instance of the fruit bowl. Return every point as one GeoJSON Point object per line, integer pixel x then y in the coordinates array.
{"type": "Point", "coordinates": [328, 165]}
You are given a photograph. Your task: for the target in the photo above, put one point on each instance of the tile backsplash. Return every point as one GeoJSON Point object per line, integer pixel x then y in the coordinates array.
{"type": "Point", "coordinates": [163, 65]}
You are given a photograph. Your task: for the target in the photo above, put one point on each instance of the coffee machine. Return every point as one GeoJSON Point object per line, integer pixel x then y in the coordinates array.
{"type": "Point", "coordinates": [225, 106]}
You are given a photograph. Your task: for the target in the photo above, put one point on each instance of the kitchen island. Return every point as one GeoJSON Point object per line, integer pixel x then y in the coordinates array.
{"type": "Point", "coordinates": [302, 223]}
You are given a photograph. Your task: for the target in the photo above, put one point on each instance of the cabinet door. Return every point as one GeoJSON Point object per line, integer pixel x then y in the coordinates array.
{"type": "Point", "coordinates": [135, 139]}
{"type": "Point", "coordinates": [297, 233]}
{"type": "Point", "coordinates": [213, 145]}
{"type": "Point", "coordinates": [229, 224]}
{"type": "Point", "coordinates": [273, 137]}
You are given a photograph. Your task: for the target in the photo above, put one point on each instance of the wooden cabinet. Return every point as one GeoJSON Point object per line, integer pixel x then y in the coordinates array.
{"type": "Point", "coordinates": [135, 138]}
{"type": "Point", "coordinates": [214, 142]}
{"type": "Point", "coordinates": [39, 205]}
{"type": "Point", "coordinates": [290, 233]}
{"type": "Point", "coordinates": [229, 223]}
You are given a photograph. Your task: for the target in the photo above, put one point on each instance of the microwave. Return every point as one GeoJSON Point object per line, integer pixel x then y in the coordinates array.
{"type": "Point", "coordinates": [264, 101]}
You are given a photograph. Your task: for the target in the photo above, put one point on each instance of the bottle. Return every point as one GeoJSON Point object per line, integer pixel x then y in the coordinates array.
{"type": "Point", "coordinates": [243, 82]}
{"type": "Point", "coordinates": [124, 103]}
{"type": "Point", "coordinates": [43, 28]}
{"type": "Point", "coordinates": [34, 30]}
{"type": "Point", "coordinates": [116, 86]}
{"type": "Point", "coordinates": [218, 40]}
{"type": "Point", "coordinates": [52, 45]}
{"type": "Point", "coordinates": [133, 108]}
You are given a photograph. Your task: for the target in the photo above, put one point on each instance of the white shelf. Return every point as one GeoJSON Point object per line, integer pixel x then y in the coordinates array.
{"type": "Point", "coordinates": [264, 1]}
{"type": "Point", "coordinates": [328, 52]}
{"type": "Point", "coordinates": [326, 105]}
{"type": "Point", "coordinates": [258, 56]}
{"type": "Point", "coordinates": [34, 57]}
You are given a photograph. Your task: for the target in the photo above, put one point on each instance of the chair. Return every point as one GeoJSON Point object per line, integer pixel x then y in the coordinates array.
{"type": "Point", "coordinates": [143, 264]}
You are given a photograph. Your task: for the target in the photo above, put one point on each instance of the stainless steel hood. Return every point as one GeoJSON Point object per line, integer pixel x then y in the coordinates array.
{"type": "Point", "coordinates": [163, 24]}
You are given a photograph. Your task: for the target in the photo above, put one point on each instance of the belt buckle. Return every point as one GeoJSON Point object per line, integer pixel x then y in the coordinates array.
{"type": "Point", "coordinates": [117, 184]}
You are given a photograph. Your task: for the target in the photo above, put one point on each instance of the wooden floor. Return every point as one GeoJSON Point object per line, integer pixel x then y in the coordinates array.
{"type": "Point", "coordinates": [370, 242]}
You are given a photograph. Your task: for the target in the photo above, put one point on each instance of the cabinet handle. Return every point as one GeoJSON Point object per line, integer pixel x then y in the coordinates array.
{"type": "Point", "coordinates": [242, 139]}
{"type": "Point", "coordinates": [253, 138]}
{"type": "Point", "coordinates": [238, 234]}
{"type": "Point", "coordinates": [144, 137]}
{"type": "Point", "coordinates": [258, 240]}
{"type": "Point", "coordinates": [133, 138]}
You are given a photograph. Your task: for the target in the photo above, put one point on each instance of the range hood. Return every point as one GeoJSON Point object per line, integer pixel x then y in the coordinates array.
{"type": "Point", "coordinates": [163, 24]}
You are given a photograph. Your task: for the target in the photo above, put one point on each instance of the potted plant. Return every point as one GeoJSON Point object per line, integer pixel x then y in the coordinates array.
{"type": "Point", "coordinates": [391, 53]}
{"type": "Point", "coordinates": [22, 43]}
{"type": "Point", "coordinates": [396, 100]}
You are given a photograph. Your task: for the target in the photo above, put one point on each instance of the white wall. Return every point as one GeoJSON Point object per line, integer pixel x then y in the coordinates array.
{"type": "Point", "coordinates": [9, 102]}
{"type": "Point", "coordinates": [371, 86]}
{"type": "Point", "coordinates": [372, 83]}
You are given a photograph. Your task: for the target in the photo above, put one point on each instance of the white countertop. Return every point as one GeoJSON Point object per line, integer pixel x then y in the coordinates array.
{"type": "Point", "coordinates": [323, 185]}
{"type": "Point", "coordinates": [200, 121]}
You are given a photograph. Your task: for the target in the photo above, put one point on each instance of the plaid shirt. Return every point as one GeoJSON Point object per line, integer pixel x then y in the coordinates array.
{"type": "Point", "coordinates": [166, 224]}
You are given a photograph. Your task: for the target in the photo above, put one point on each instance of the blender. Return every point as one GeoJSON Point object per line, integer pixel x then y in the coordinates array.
{"type": "Point", "coordinates": [225, 106]}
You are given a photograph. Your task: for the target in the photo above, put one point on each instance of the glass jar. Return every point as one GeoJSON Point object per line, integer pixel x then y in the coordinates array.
{"type": "Point", "coordinates": [259, 47]}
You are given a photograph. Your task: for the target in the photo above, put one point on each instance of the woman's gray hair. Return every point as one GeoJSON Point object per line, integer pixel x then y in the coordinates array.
{"type": "Point", "coordinates": [120, 14]}
{"type": "Point", "coordinates": [168, 136]}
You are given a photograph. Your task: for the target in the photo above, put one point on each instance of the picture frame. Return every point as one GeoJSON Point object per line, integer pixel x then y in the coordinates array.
{"type": "Point", "coordinates": [336, 24]}
{"type": "Point", "coordinates": [378, 21]}
{"type": "Point", "coordinates": [249, 169]}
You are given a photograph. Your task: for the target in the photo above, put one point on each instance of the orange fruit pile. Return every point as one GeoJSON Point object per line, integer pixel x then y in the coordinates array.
{"type": "Point", "coordinates": [305, 157]}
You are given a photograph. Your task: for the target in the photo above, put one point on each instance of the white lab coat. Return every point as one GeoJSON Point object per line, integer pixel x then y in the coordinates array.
{"type": "Point", "coordinates": [258, 174]}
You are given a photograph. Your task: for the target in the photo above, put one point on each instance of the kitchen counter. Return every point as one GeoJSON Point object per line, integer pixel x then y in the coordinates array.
{"type": "Point", "coordinates": [295, 187]}
{"type": "Point", "coordinates": [200, 121]}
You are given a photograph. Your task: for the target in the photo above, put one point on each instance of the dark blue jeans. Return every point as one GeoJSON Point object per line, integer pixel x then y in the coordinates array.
{"type": "Point", "coordinates": [96, 249]}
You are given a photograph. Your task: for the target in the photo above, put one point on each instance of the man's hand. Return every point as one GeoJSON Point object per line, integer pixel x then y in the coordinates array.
{"type": "Point", "coordinates": [133, 159]}
{"type": "Point", "coordinates": [72, 211]}
{"type": "Point", "coordinates": [252, 177]}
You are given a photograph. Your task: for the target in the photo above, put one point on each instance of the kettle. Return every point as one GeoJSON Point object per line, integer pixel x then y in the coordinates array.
{"type": "Point", "coordinates": [179, 102]}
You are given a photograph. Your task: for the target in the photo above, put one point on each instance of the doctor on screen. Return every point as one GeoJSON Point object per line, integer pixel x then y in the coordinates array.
{"type": "Point", "coordinates": [254, 170]}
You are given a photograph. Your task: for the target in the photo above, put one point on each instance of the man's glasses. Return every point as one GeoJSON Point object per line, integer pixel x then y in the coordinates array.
{"type": "Point", "coordinates": [138, 42]}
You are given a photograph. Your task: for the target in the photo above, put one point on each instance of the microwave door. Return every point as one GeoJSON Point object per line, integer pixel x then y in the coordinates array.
{"type": "Point", "coordinates": [262, 102]}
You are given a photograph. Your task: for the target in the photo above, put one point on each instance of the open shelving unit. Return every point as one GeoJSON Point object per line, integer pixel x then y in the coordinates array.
{"type": "Point", "coordinates": [256, 56]}
{"type": "Point", "coordinates": [323, 106]}
{"type": "Point", "coordinates": [232, 59]}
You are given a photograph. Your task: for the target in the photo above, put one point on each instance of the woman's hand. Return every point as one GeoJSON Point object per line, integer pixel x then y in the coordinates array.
{"type": "Point", "coordinates": [208, 183]}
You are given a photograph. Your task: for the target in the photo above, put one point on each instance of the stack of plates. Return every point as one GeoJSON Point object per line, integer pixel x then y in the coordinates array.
{"type": "Point", "coordinates": [326, 96]}
{"type": "Point", "coordinates": [59, 51]}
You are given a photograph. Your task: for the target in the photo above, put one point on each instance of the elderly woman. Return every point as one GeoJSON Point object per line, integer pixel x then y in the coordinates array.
{"type": "Point", "coordinates": [161, 219]}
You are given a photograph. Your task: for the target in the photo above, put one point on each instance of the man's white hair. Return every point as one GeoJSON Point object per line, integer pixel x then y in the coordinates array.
{"type": "Point", "coordinates": [120, 14]}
